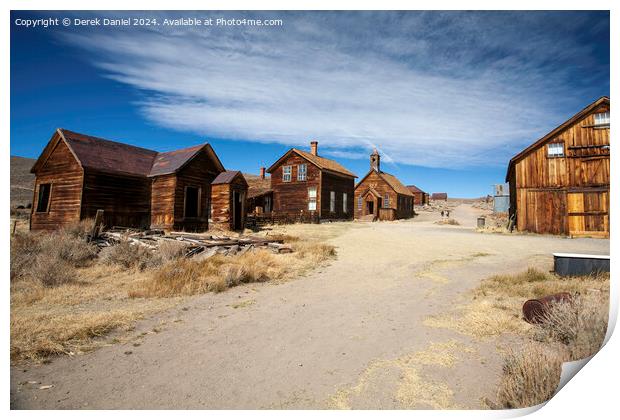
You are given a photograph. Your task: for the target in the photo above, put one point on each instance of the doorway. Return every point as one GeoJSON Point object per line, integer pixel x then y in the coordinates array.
{"type": "Point", "coordinates": [370, 207]}
{"type": "Point", "coordinates": [237, 210]}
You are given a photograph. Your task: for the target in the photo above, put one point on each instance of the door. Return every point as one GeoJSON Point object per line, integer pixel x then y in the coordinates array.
{"type": "Point", "coordinates": [237, 211]}
{"type": "Point", "coordinates": [370, 207]}
{"type": "Point", "coordinates": [588, 213]}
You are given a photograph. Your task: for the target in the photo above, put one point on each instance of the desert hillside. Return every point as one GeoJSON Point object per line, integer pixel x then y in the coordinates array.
{"type": "Point", "coordinates": [22, 181]}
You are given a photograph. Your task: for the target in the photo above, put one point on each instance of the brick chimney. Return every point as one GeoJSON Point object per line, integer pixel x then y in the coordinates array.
{"type": "Point", "coordinates": [314, 147]}
{"type": "Point", "coordinates": [262, 172]}
{"type": "Point", "coordinates": [375, 161]}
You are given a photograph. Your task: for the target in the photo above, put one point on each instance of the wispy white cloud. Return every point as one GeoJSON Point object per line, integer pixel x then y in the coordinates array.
{"type": "Point", "coordinates": [431, 89]}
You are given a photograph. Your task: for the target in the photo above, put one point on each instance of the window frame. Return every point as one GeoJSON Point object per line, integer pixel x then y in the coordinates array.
{"type": "Point", "coordinates": [360, 202]}
{"type": "Point", "coordinates": [332, 201]}
{"type": "Point", "coordinates": [285, 173]}
{"type": "Point", "coordinates": [312, 199]}
{"type": "Point", "coordinates": [605, 123]}
{"type": "Point", "coordinates": [49, 197]}
{"type": "Point", "coordinates": [300, 172]}
{"type": "Point", "coordinates": [555, 155]}
{"type": "Point", "coordinates": [386, 201]}
{"type": "Point", "coordinates": [345, 198]}
{"type": "Point", "coordinates": [198, 202]}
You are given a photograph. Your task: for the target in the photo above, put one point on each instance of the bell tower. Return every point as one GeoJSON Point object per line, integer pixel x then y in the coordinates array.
{"type": "Point", "coordinates": [375, 161]}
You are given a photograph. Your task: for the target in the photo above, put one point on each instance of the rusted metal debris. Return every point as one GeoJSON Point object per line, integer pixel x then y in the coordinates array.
{"type": "Point", "coordinates": [535, 310]}
{"type": "Point", "coordinates": [197, 246]}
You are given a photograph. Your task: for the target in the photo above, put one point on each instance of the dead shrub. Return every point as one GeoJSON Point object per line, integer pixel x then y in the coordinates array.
{"type": "Point", "coordinates": [447, 222]}
{"type": "Point", "coordinates": [130, 256]}
{"type": "Point", "coordinates": [171, 250]}
{"type": "Point", "coordinates": [24, 250]}
{"type": "Point", "coordinates": [81, 229]}
{"type": "Point", "coordinates": [187, 277]}
{"type": "Point", "coordinates": [530, 376]}
{"type": "Point", "coordinates": [316, 252]}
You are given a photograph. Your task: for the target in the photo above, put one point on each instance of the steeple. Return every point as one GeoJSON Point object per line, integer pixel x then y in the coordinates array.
{"type": "Point", "coordinates": [375, 160]}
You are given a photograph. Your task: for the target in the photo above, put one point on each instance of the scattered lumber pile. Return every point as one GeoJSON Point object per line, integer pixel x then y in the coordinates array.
{"type": "Point", "coordinates": [197, 246]}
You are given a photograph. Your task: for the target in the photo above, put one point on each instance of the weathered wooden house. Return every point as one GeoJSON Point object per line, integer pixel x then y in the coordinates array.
{"type": "Point", "coordinates": [308, 186]}
{"type": "Point", "coordinates": [260, 194]}
{"type": "Point", "coordinates": [440, 196]}
{"type": "Point", "coordinates": [420, 197]}
{"type": "Point", "coordinates": [228, 200]}
{"type": "Point", "coordinates": [381, 196]}
{"type": "Point", "coordinates": [560, 183]}
{"type": "Point", "coordinates": [77, 174]}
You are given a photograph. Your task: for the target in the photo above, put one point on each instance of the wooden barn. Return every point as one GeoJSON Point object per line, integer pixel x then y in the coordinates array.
{"type": "Point", "coordinates": [420, 197]}
{"type": "Point", "coordinates": [307, 186]}
{"type": "Point", "coordinates": [439, 196]}
{"type": "Point", "coordinates": [228, 200]}
{"type": "Point", "coordinates": [77, 174]}
{"type": "Point", "coordinates": [260, 194]}
{"type": "Point", "coordinates": [381, 196]}
{"type": "Point", "coordinates": [560, 184]}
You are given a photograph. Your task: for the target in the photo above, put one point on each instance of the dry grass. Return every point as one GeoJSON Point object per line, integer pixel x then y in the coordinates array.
{"type": "Point", "coordinates": [65, 298]}
{"type": "Point", "coordinates": [494, 308]}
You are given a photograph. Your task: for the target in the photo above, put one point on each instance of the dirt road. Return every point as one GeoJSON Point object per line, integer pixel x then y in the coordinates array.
{"type": "Point", "coordinates": [350, 335]}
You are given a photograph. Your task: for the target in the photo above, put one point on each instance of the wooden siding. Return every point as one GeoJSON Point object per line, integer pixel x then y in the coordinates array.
{"type": "Point", "coordinates": [65, 174]}
{"type": "Point", "coordinates": [545, 190]}
{"type": "Point", "coordinates": [401, 205]}
{"type": "Point", "coordinates": [125, 200]}
{"type": "Point", "coordinates": [339, 185]}
{"type": "Point", "coordinates": [162, 201]}
{"type": "Point", "coordinates": [292, 197]}
{"type": "Point", "coordinates": [222, 197]}
{"type": "Point", "coordinates": [199, 172]}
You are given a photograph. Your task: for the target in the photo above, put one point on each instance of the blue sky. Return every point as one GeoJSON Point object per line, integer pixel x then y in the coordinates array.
{"type": "Point", "coordinates": [446, 97]}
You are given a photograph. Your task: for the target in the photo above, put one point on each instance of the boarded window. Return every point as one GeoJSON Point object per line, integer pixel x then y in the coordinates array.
{"type": "Point", "coordinates": [555, 149]}
{"type": "Point", "coordinates": [332, 201]}
{"type": "Point", "coordinates": [386, 201]}
{"type": "Point", "coordinates": [312, 198]}
{"type": "Point", "coordinates": [43, 202]}
{"type": "Point", "coordinates": [344, 202]}
{"type": "Point", "coordinates": [301, 172]}
{"type": "Point", "coordinates": [286, 173]}
{"type": "Point", "coordinates": [192, 201]}
{"type": "Point", "coordinates": [601, 118]}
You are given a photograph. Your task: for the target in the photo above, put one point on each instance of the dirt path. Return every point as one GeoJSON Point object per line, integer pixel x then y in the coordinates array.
{"type": "Point", "coordinates": [350, 335]}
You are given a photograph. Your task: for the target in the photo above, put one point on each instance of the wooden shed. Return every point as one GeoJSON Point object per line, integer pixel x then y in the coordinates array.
{"type": "Point", "coordinates": [307, 186]}
{"type": "Point", "coordinates": [381, 196]}
{"type": "Point", "coordinates": [260, 194]}
{"type": "Point", "coordinates": [228, 200]}
{"type": "Point", "coordinates": [77, 174]}
{"type": "Point", "coordinates": [439, 196]}
{"type": "Point", "coordinates": [560, 183]}
{"type": "Point", "coordinates": [420, 197]}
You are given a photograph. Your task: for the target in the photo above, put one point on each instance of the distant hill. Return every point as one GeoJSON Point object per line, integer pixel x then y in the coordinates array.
{"type": "Point", "coordinates": [22, 181]}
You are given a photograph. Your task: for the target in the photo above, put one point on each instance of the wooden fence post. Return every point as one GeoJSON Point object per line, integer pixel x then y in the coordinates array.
{"type": "Point", "coordinates": [97, 225]}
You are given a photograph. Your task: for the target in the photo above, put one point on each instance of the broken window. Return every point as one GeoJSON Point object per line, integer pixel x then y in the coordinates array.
{"type": "Point", "coordinates": [44, 198]}
{"type": "Point", "coordinates": [555, 149]}
{"type": "Point", "coordinates": [286, 173]}
{"type": "Point", "coordinates": [192, 201]}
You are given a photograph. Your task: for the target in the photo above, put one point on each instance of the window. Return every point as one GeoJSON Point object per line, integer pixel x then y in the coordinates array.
{"type": "Point", "coordinates": [344, 202]}
{"type": "Point", "coordinates": [286, 173]}
{"type": "Point", "coordinates": [601, 118]}
{"type": "Point", "coordinates": [192, 202]}
{"type": "Point", "coordinates": [555, 149]}
{"type": "Point", "coordinates": [43, 202]}
{"type": "Point", "coordinates": [301, 172]}
{"type": "Point", "coordinates": [359, 203]}
{"type": "Point", "coordinates": [312, 198]}
{"type": "Point", "coordinates": [332, 201]}
{"type": "Point", "coordinates": [267, 204]}
{"type": "Point", "coordinates": [386, 201]}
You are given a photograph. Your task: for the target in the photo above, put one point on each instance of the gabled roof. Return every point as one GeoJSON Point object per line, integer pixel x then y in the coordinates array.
{"type": "Point", "coordinates": [227, 177]}
{"type": "Point", "coordinates": [556, 131]}
{"type": "Point", "coordinates": [391, 180]}
{"type": "Point", "coordinates": [321, 162]}
{"type": "Point", "coordinates": [113, 157]}
{"type": "Point", "coordinates": [415, 189]}
{"type": "Point", "coordinates": [257, 185]}
{"type": "Point", "coordinates": [171, 162]}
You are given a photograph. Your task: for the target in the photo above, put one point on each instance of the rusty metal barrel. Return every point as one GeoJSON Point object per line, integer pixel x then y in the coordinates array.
{"type": "Point", "coordinates": [535, 310]}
